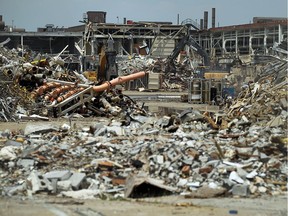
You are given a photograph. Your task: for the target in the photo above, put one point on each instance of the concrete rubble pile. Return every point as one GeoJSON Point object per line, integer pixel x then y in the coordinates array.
{"type": "Point", "coordinates": [168, 157]}
{"type": "Point", "coordinates": [137, 63]}
{"type": "Point", "coordinates": [12, 96]}
{"type": "Point", "coordinates": [133, 154]}
{"type": "Point", "coordinates": [178, 76]}
{"type": "Point", "coordinates": [9, 103]}
{"type": "Point", "coordinates": [265, 101]}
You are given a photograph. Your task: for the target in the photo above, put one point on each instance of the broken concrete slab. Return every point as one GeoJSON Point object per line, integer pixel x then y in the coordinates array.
{"type": "Point", "coordinates": [206, 192]}
{"type": "Point", "coordinates": [82, 194]}
{"type": "Point", "coordinates": [13, 143]}
{"type": "Point", "coordinates": [33, 128]}
{"type": "Point", "coordinates": [143, 186]}
{"type": "Point", "coordinates": [59, 175]}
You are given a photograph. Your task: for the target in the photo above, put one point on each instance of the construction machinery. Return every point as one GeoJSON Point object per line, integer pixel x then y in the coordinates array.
{"type": "Point", "coordinates": [191, 43]}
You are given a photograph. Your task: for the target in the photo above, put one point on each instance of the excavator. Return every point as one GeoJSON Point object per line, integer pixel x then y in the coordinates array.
{"type": "Point", "coordinates": [189, 41]}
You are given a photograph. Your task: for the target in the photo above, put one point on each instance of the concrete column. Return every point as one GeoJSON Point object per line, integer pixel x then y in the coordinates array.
{"type": "Point", "coordinates": [211, 45]}
{"type": "Point", "coordinates": [280, 34]}
{"type": "Point", "coordinates": [223, 44]}
{"type": "Point", "coordinates": [93, 43]}
{"type": "Point", "coordinates": [250, 43]}
{"type": "Point", "coordinates": [131, 46]}
{"type": "Point", "coordinates": [265, 41]}
{"type": "Point", "coordinates": [22, 45]}
{"type": "Point", "coordinates": [236, 43]}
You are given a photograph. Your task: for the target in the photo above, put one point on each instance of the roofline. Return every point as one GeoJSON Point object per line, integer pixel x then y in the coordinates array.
{"type": "Point", "coordinates": [250, 26]}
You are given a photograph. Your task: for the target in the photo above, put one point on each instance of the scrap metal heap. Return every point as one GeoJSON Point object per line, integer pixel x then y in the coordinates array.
{"type": "Point", "coordinates": [51, 90]}
{"type": "Point", "coordinates": [238, 152]}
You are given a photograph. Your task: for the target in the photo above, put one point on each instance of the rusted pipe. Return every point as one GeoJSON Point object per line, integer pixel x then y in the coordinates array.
{"type": "Point", "coordinates": [99, 88]}
{"type": "Point", "coordinates": [69, 94]}
{"type": "Point", "coordinates": [56, 92]}
{"type": "Point", "coordinates": [107, 84]}
{"type": "Point", "coordinates": [118, 80]}
{"type": "Point", "coordinates": [44, 88]}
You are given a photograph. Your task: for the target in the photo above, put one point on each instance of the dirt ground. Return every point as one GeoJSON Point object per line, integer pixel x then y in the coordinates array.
{"type": "Point", "coordinates": [173, 205]}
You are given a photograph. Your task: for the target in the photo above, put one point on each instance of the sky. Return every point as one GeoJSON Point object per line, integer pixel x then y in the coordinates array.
{"type": "Point", "coordinates": [31, 14]}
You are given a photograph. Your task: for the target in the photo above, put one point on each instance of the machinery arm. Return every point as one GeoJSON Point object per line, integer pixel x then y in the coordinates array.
{"type": "Point", "coordinates": [189, 41]}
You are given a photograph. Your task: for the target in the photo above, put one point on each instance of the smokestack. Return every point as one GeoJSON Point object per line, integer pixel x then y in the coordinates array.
{"type": "Point", "coordinates": [178, 19]}
{"type": "Point", "coordinates": [205, 19]}
{"type": "Point", "coordinates": [201, 24]}
{"type": "Point", "coordinates": [213, 17]}
{"type": "Point", "coordinates": [124, 20]}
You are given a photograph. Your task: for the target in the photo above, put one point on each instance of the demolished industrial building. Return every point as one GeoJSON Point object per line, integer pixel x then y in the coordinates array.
{"type": "Point", "coordinates": [121, 148]}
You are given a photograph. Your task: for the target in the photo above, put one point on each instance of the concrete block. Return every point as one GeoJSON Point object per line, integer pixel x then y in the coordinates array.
{"type": "Point", "coordinates": [59, 175]}
{"type": "Point", "coordinates": [38, 183]}
{"type": "Point", "coordinates": [76, 179]}
{"type": "Point", "coordinates": [64, 185]}
{"type": "Point", "coordinates": [240, 190]}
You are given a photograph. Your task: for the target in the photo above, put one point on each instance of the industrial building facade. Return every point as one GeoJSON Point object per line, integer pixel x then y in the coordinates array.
{"type": "Point", "coordinates": [156, 39]}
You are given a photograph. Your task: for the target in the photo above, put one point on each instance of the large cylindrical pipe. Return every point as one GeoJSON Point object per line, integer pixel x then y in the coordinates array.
{"type": "Point", "coordinates": [118, 81]}
{"type": "Point", "coordinates": [44, 88]}
{"type": "Point", "coordinates": [69, 94]}
{"type": "Point", "coordinates": [56, 92]}
{"type": "Point", "coordinates": [99, 88]}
